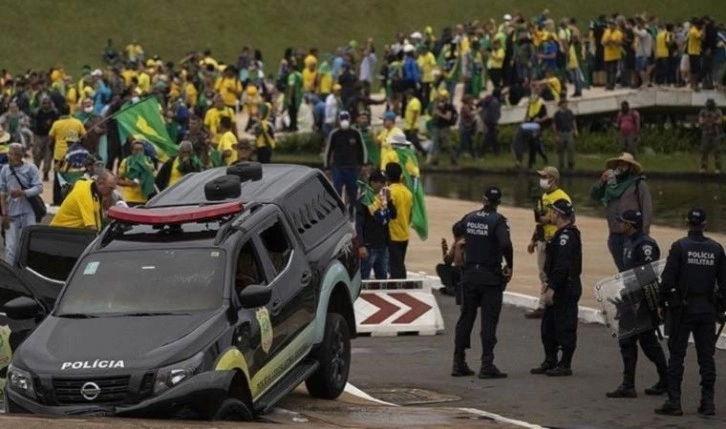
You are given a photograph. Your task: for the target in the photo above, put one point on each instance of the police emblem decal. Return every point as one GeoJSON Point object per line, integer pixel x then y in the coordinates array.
{"type": "Point", "coordinates": [263, 318]}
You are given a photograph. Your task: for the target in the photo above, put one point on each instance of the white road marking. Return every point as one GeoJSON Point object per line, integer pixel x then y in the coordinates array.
{"type": "Point", "coordinates": [501, 419]}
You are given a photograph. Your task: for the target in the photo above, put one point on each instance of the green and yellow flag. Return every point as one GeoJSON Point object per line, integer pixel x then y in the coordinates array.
{"type": "Point", "coordinates": [409, 164]}
{"type": "Point", "coordinates": [143, 120]}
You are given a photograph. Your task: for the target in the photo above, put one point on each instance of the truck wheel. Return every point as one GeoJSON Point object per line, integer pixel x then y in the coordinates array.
{"type": "Point", "coordinates": [233, 409]}
{"type": "Point", "coordinates": [333, 355]}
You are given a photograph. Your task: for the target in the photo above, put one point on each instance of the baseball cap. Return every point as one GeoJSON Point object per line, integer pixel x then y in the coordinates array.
{"type": "Point", "coordinates": [563, 206]}
{"type": "Point", "coordinates": [696, 216]}
{"type": "Point", "coordinates": [398, 139]}
{"type": "Point", "coordinates": [493, 194]}
{"type": "Point", "coordinates": [550, 171]}
{"type": "Point", "coordinates": [507, 17]}
{"type": "Point", "coordinates": [389, 116]}
{"type": "Point", "coordinates": [633, 217]}
{"type": "Point", "coordinates": [344, 115]}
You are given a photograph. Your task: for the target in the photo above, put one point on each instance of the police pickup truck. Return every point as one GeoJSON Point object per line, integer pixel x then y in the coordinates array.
{"type": "Point", "coordinates": [214, 300]}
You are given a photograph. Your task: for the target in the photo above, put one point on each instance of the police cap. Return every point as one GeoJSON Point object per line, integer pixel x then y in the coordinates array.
{"type": "Point", "coordinates": [493, 194]}
{"type": "Point", "coordinates": [696, 216]}
{"type": "Point", "coordinates": [563, 206]}
{"type": "Point", "coordinates": [633, 217]}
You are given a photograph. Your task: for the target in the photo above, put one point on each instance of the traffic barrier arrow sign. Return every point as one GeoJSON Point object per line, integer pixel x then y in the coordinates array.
{"type": "Point", "coordinates": [417, 308]}
{"type": "Point", "coordinates": [385, 309]}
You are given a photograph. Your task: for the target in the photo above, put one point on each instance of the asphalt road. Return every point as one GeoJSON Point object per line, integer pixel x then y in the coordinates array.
{"type": "Point", "coordinates": [576, 402]}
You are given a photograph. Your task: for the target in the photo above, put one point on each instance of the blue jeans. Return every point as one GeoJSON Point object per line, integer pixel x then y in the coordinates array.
{"type": "Point", "coordinates": [466, 134]}
{"type": "Point", "coordinates": [616, 245]}
{"type": "Point", "coordinates": [346, 177]}
{"type": "Point", "coordinates": [378, 261]}
{"type": "Point", "coordinates": [576, 79]}
{"type": "Point", "coordinates": [12, 235]}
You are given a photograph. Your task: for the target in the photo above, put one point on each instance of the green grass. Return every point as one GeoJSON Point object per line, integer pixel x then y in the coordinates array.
{"type": "Point", "coordinates": [42, 33]}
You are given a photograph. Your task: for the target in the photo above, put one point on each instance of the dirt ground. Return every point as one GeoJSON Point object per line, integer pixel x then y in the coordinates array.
{"type": "Point", "coordinates": [597, 262]}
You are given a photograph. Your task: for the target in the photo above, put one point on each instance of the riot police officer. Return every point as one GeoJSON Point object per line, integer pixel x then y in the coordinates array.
{"type": "Point", "coordinates": [563, 266]}
{"type": "Point", "coordinates": [487, 242]}
{"type": "Point", "coordinates": [692, 301]}
{"type": "Point", "coordinates": [640, 249]}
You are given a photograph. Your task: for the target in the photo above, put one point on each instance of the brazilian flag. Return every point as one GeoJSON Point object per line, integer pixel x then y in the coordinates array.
{"type": "Point", "coordinates": [409, 164]}
{"type": "Point", "coordinates": [143, 120]}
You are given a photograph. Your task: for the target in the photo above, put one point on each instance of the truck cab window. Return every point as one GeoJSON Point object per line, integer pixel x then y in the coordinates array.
{"type": "Point", "coordinates": [277, 244]}
{"type": "Point", "coordinates": [249, 271]}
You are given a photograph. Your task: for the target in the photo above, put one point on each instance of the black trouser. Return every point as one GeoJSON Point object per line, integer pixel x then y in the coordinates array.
{"type": "Point", "coordinates": [611, 70]}
{"type": "Point", "coordinates": [652, 350]}
{"type": "Point", "coordinates": [292, 112]}
{"type": "Point", "coordinates": [425, 95]}
{"type": "Point", "coordinates": [490, 137]}
{"type": "Point", "coordinates": [397, 259]}
{"type": "Point", "coordinates": [450, 276]}
{"type": "Point", "coordinates": [264, 154]}
{"type": "Point", "coordinates": [559, 330]}
{"type": "Point", "coordinates": [702, 326]}
{"type": "Point", "coordinates": [489, 298]}
{"type": "Point", "coordinates": [534, 143]}
{"type": "Point", "coordinates": [412, 136]}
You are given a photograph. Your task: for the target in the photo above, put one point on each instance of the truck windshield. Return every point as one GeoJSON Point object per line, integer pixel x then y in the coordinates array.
{"type": "Point", "coordinates": [145, 282]}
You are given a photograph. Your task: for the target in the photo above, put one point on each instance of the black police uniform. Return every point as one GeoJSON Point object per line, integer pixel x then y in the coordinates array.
{"type": "Point", "coordinates": [563, 266]}
{"type": "Point", "coordinates": [487, 242]}
{"type": "Point", "coordinates": [640, 249]}
{"type": "Point", "coordinates": [694, 266]}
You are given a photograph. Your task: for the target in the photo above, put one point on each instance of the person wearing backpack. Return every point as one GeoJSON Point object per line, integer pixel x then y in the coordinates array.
{"type": "Point", "coordinates": [628, 124]}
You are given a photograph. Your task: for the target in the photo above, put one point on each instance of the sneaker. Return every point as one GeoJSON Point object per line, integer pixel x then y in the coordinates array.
{"type": "Point", "coordinates": [543, 368]}
{"type": "Point", "coordinates": [534, 314]}
{"type": "Point", "coordinates": [657, 389]}
{"type": "Point", "coordinates": [622, 392]}
{"type": "Point", "coordinates": [559, 371]}
{"type": "Point", "coordinates": [670, 409]}
{"type": "Point", "coordinates": [491, 372]}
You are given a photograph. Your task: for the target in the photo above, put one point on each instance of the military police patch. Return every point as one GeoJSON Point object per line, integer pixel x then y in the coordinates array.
{"type": "Point", "coordinates": [263, 318]}
{"type": "Point", "coordinates": [563, 239]}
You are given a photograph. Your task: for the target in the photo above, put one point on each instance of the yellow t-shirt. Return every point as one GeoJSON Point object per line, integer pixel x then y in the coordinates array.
{"type": "Point", "coordinates": [694, 41]}
{"type": "Point", "coordinates": [555, 86]}
{"type": "Point", "coordinates": [392, 156]}
{"type": "Point", "coordinates": [128, 74]}
{"type": "Point", "coordinates": [175, 174]}
{"type": "Point", "coordinates": [229, 89]}
{"type": "Point", "coordinates": [191, 95]}
{"type": "Point", "coordinates": [413, 111]}
{"type": "Point", "coordinates": [427, 64]}
{"type": "Point", "coordinates": [134, 51]}
{"type": "Point", "coordinates": [72, 99]}
{"type": "Point", "coordinates": [144, 82]}
{"type": "Point", "coordinates": [80, 209]}
{"type": "Point", "coordinates": [496, 59]}
{"type": "Point", "coordinates": [662, 39]}
{"type": "Point", "coordinates": [402, 198]}
{"type": "Point", "coordinates": [548, 199]}
{"type": "Point", "coordinates": [325, 83]}
{"type": "Point", "coordinates": [60, 130]}
{"type": "Point", "coordinates": [212, 118]}
{"type": "Point", "coordinates": [131, 194]}
{"type": "Point", "coordinates": [308, 78]}
{"type": "Point", "coordinates": [228, 142]}
{"type": "Point", "coordinates": [612, 40]}
{"type": "Point", "coordinates": [572, 61]}
{"type": "Point", "coordinates": [382, 139]}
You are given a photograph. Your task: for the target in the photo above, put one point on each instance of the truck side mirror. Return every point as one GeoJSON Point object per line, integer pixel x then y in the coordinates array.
{"type": "Point", "coordinates": [22, 308]}
{"type": "Point", "coordinates": [254, 296]}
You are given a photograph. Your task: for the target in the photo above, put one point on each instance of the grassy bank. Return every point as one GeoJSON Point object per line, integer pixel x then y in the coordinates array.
{"type": "Point", "coordinates": [42, 33]}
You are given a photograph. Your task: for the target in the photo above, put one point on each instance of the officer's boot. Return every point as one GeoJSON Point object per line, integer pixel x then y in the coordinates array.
{"type": "Point", "coordinates": [626, 389]}
{"type": "Point", "coordinates": [672, 406]}
{"type": "Point", "coordinates": [563, 368]}
{"type": "Point", "coordinates": [661, 386]}
{"type": "Point", "coordinates": [707, 407]}
{"type": "Point", "coordinates": [460, 368]}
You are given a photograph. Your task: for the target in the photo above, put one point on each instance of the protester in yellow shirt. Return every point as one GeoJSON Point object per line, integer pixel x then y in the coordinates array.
{"type": "Point", "coordinates": [399, 227]}
{"type": "Point", "coordinates": [251, 100]}
{"type": "Point", "coordinates": [310, 77]}
{"type": "Point", "coordinates": [663, 43]}
{"type": "Point", "coordinates": [71, 95]}
{"type": "Point", "coordinates": [63, 130]}
{"type": "Point", "coordinates": [229, 87]}
{"type": "Point", "coordinates": [134, 52]}
{"type": "Point", "coordinates": [227, 142]}
{"type": "Point", "coordinates": [695, 39]}
{"type": "Point", "coordinates": [131, 189]}
{"type": "Point", "coordinates": [552, 85]}
{"type": "Point", "coordinates": [214, 115]}
{"type": "Point", "coordinates": [612, 40]}
{"type": "Point", "coordinates": [389, 129]}
{"type": "Point", "coordinates": [496, 63]}
{"type": "Point", "coordinates": [427, 63]}
{"type": "Point", "coordinates": [83, 207]}
{"type": "Point", "coordinates": [144, 80]}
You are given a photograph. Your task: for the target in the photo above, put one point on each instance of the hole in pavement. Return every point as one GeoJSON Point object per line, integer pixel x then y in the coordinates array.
{"type": "Point", "coordinates": [410, 395]}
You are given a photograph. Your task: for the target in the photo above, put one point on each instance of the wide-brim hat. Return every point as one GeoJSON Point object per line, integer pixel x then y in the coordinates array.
{"type": "Point", "coordinates": [624, 157]}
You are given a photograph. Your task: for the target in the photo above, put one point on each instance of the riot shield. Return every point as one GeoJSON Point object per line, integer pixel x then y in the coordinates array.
{"type": "Point", "coordinates": [629, 300]}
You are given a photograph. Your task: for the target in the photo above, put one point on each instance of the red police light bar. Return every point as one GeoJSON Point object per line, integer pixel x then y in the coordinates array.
{"type": "Point", "coordinates": [173, 215]}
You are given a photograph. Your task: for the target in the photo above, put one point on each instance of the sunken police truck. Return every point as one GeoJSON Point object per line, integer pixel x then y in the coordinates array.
{"type": "Point", "coordinates": [214, 300]}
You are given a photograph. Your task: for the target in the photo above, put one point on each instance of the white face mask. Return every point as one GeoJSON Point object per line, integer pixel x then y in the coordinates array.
{"type": "Point", "coordinates": [345, 124]}
{"type": "Point", "coordinates": [544, 183]}
{"type": "Point", "coordinates": [88, 109]}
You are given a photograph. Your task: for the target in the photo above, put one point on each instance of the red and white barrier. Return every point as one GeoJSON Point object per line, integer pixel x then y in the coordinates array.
{"type": "Point", "coordinates": [390, 307]}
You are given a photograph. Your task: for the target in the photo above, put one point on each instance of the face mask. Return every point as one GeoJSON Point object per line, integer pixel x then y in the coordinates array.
{"type": "Point", "coordinates": [344, 124]}
{"type": "Point", "coordinates": [88, 109]}
{"type": "Point", "coordinates": [544, 183]}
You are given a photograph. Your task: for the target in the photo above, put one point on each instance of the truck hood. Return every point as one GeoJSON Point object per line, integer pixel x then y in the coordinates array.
{"type": "Point", "coordinates": [113, 345]}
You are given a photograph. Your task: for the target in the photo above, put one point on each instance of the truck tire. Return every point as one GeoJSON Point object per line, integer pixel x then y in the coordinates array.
{"type": "Point", "coordinates": [233, 409]}
{"type": "Point", "coordinates": [222, 188]}
{"type": "Point", "coordinates": [333, 355]}
{"type": "Point", "coordinates": [246, 171]}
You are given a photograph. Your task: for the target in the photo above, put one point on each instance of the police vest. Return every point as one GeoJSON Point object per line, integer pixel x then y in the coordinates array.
{"type": "Point", "coordinates": [697, 273]}
{"type": "Point", "coordinates": [482, 247]}
{"type": "Point", "coordinates": [631, 256]}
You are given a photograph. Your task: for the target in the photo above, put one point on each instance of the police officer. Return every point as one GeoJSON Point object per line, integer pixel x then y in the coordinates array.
{"type": "Point", "coordinates": [563, 266]}
{"type": "Point", "coordinates": [640, 249]}
{"type": "Point", "coordinates": [692, 301]}
{"type": "Point", "coordinates": [487, 241]}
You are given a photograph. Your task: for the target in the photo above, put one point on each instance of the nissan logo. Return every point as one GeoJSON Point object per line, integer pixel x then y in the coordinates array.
{"type": "Point", "coordinates": [90, 391]}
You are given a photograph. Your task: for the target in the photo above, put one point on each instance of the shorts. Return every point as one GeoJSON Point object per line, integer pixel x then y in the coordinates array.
{"type": "Point", "coordinates": [695, 63]}
{"type": "Point", "coordinates": [641, 63]}
{"type": "Point", "coordinates": [685, 65]}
